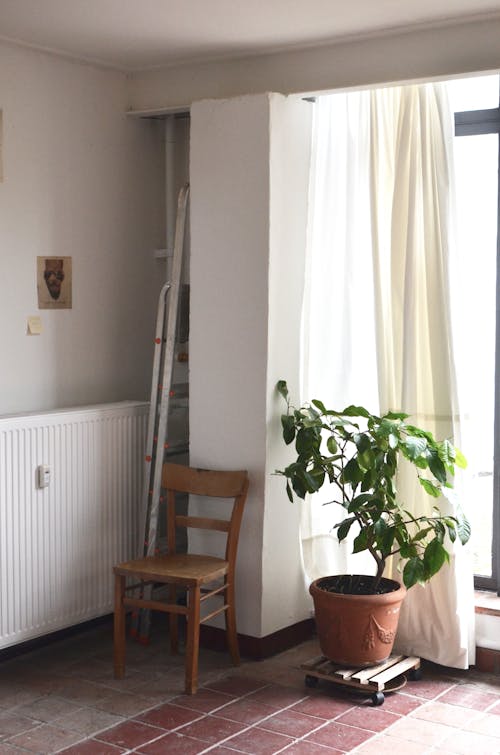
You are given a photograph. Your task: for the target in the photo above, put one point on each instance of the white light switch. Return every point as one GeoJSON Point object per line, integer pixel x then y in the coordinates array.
{"type": "Point", "coordinates": [43, 476]}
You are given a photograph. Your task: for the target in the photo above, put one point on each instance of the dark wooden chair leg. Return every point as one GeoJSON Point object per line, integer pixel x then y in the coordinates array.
{"type": "Point", "coordinates": [173, 622]}
{"type": "Point", "coordinates": [192, 640]}
{"type": "Point", "coordinates": [230, 615]}
{"type": "Point", "coordinates": [119, 628]}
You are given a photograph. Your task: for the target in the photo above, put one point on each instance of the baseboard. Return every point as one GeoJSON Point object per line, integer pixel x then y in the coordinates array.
{"type": "Point", "coordinates": [488, 660]}
{"type": "Point", "coordinates": [258, 648]}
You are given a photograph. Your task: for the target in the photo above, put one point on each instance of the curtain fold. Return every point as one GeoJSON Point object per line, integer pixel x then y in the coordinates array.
{"type": "Point", "coordinates": [377, 326]}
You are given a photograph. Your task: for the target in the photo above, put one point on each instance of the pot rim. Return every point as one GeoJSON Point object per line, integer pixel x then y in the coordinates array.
{"type": "Point", "coordinates": [392, 596]}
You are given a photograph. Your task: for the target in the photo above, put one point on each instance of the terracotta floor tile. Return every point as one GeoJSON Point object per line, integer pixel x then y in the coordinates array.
{"type": "Point", "coordinates": [324, 707]}
{"type": "Point", "coordinates": [495, 709]}
{"type": "Point", "coordinates": [372, 719]}
{"type": "Point", "coordinates": [11, 698]}
{"type": "Point", "coordinates": [258, 741]}
{"type": "Point", "coordinates": [205, 700]}
{"type": "Point", "coordinates": [341, 736]}
{"type": "Point", "coordinates": [125, 704]}
{"type": "Point", "coordinates": [236, 685]}
{"type": "Point", "coordinates": [429, 688]}
{"type": "Point", "coordinates": [169, 716]}
{"type": "Point", "coordinates": [12, 723]}
{"type": "Point", "coordinates": [88, 721]}
{"type": "Point", "coordinates": [484, 723]}
{"type": "Point", "coordinates": [245, 711]}
{"type": "Point", "coordinates": [7, 749]}
{"type": "Point", "coordinates": [212, 729]}
{"type": "Point", "coordinates": [93, 747]}
{"type": "Point", "coordinates": [309, 748]}
{"type": "Point", "coordinates": [48, 708]}
{"type": "Point", "coordinates": [469, 743]}
{"type": "Point", "coordinates": [173, 743]}
{"type": "Point", "coordinates": [81, 691]}
{"type": "Point", "coordinates": [401, 703]}
{"type": "Point", "coordinates": [278, 696]}
{"type": "Point", "coordinates": [443, 713]}
{"type": "Point", "coordinates": [417, 730]}
{"type": "Point", "coordinates": [292, 723]}
{"type": "Point", "coordinates": [382, 744]}
{"type": "Point", "coordinates": [130, 734]}
{"type": "Point", "coordinates": [469, 696]}
{"type": "Point", "coordinates": [46, 738]}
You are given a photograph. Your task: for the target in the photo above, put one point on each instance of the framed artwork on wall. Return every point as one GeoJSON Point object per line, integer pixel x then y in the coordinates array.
{"type": "Point", "coordinates": [54, 282]}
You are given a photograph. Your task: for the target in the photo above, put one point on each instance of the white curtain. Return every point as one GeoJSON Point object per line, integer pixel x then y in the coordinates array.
{"type": "Point", "coordinates": [377, 325]}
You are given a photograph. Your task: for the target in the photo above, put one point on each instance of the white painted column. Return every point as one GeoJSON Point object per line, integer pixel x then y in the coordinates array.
{"type": "Point", "coordinates": [249, 165]}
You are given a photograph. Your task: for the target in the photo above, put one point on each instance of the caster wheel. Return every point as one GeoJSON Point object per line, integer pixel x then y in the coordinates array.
{"type": "Point", "coordinates": [415, 674]}
{"type": "Point", "coordinates": [378, 698]}
{"type": "Point", "coordinates": [311, 681]}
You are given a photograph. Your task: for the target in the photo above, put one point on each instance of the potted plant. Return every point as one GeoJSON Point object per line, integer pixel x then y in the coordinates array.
{"type": "Point", "coordinates": [359, 453]}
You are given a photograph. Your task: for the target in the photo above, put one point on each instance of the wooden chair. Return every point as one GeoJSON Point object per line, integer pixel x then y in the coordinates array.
{"type": "Point", "coordinates": [191, 572]}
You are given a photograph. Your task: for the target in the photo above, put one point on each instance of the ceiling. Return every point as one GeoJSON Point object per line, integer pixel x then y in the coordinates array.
{"type": "Point", "coordinates": [140, 34]}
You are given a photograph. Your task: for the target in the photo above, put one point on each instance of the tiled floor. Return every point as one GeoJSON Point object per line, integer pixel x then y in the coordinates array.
{"type": "Point", "coordinates": [63, 698]}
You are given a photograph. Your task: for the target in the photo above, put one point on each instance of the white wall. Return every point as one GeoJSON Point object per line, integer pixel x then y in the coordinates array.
{"type": "Point", "coordinates": [244, 186]}
{"type": "Point", "coordinates": [80, 179]}
{"type": "Point", "coordinates": [440, 51]}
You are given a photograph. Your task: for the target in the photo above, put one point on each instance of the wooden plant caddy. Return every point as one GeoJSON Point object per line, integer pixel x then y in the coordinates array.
{"type": "Point", "coordinates": [387, 676]}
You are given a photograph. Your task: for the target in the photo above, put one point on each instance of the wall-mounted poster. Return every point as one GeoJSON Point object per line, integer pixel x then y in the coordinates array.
{"type": "Point", "coordinates": [54, 282]}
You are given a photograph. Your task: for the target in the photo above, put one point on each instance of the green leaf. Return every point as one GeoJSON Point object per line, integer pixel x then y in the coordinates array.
{"type": "Point", "coordinates": [331, 444]}
{"type": "Point", "coordinates": [352, 473]}
{"type": "Point", "coordinates": [282, 388]}
{"type": "Point", "coordinates": [307, 439]}
{"type": "Point", "coordinates": [356, 411]}
{"type": "Point", "coordinates": [319, 405]}
{"type": "Point", "coordinates": [361, 541]}
{"type": "Point", "coordinates": [385, 536]}
{"type": "Point", "coordinates": [463, 526]}
{"type": "Point", "coordinates": [369, 480]}
{"type": "Point", "coordinates": [362, 442]}
{"type": "Point", "coordinates": [393, 440]}
{"type": "Point", "coordinates": [413, 572]}
{"type": "Point", "coordinates": [429, 487]}
{"type": "Point", "coordinates": [344, 527]}
{"type": "Point", "coordinates": [447, 453]}
{"type": "Point", "coordinates": [288, 425]}
{"type": "Point", "coordinates": [360, 500]}
{"type": "Point", "coordinates": [434, 557]}
{"type": "Point", "coordinates": [396, 415]}
{"type": "Point", "coordinates": [460, 459]}
{"type": "Point", "coordinates": [289, 491]}
{"type": "Point", "coordinates": [436, 466]}
{"type": "Point", "coordinates": [414, 447]}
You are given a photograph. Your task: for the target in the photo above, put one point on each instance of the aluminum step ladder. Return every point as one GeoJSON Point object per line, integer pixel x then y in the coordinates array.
{"type": "Point", "coordinates": [163, 392]}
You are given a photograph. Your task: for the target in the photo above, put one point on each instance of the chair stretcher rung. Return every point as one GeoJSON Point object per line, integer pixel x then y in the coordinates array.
{"type": "Point", "coordinates": [155, 605]}
{"type": "Point", "coordinates": [214, 613]}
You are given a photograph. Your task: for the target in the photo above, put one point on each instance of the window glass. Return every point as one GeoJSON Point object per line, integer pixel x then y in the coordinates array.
{"type": "Point", "coordinates": [476, 161]}
{"type": "Point", "coordinates": [474, 93]}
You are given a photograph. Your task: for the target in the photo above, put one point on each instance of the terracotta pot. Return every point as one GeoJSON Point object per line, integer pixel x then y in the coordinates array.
{"type": "Point", "coordinates": [357, 630]}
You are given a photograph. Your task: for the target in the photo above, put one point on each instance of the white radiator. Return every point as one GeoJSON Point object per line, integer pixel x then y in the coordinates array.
{"type": "Point", "coordinates": [58, 544]}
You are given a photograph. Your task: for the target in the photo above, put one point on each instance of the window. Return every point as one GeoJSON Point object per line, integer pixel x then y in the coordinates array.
{"type": "Point", "coordinates": [476, 103]}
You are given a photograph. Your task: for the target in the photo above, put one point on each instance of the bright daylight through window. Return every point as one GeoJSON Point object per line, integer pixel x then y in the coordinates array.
{"type": "Point", "coordinates": [475, 102]}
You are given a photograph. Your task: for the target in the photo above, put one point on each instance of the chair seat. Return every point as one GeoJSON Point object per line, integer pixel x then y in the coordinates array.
{"type": "Point", "coordinates": [182, 568]}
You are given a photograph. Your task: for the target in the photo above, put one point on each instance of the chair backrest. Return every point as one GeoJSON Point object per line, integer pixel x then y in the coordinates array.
{"type": "Point", "coordinates": [177, 478]}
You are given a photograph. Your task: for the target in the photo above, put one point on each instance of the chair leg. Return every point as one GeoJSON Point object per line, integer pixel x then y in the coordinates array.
{"type": "Point", "coordinates": [230, 615]}
{"type": "Point", "coordinates": [173, 621]}
{"type": "Point", "coordinates": [192, 640]}
{"type": "Point", "coordinates": [119, 628]}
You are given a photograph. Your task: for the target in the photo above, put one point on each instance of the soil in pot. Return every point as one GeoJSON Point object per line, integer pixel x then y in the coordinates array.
{"type": "Point", "coordinates": [356, 629]}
